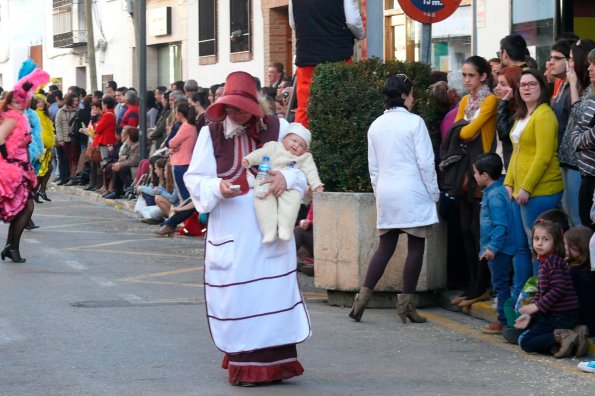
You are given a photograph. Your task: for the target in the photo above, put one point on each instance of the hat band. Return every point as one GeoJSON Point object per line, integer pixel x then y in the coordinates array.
{"type": "Point", "coordinates": [241, 93]}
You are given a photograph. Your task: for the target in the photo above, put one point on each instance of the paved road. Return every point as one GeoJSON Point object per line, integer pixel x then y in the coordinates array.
{"type": "Point", "coordinates": [102, 307]}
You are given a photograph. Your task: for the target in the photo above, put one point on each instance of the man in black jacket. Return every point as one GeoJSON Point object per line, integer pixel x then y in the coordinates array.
{"type": "Point", "coordinates": [325, 31]}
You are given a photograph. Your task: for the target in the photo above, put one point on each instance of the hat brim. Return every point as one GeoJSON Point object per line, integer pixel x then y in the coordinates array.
{"type": "Point", "coordinates": [216, 111]}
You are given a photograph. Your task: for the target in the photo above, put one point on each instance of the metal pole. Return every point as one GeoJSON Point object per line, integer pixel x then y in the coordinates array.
{"type": "Point", "coordinates": [474, 24]}
{"type": "Point", "coordinates": [140, 16]}
{"type": "Point", "coordinates": [426, 43]}
{"type": "Point", "coordinates": [91, 45]}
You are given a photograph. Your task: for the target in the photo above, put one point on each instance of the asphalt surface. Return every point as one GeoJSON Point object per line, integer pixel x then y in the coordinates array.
{"type": "Point", "coordinates": [103, 307]}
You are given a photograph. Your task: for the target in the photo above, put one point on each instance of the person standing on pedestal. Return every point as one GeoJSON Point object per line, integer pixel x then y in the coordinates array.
{"type": "Point", "coordinates": [325, 31]}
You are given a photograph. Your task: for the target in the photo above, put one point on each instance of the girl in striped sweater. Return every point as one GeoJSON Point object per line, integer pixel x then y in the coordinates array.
{"type": "Point", "coordinates": [554, 312]}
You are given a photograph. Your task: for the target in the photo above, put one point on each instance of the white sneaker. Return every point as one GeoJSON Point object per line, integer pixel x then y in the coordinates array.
{"type": "Point", "coordinates": [587, 367]}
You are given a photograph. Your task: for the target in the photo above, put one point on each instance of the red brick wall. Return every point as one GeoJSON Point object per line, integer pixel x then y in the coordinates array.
{"type": "Point", "coordinates": [278, 42]}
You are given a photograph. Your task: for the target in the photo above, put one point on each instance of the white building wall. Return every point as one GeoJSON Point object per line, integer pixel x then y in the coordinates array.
{"type": "Point", "coordinates": [496, 24]}
{"type": "Point", "coordinates": [207, 75]}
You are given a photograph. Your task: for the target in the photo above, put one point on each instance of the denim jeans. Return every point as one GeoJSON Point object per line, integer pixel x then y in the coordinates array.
{"type": "Point", "coordinates": [540, 335]}
{"type": "Point", "coordinates": [524, 216]}
{"type": "Point", "coordinates": [500, 267]}
{"type": "Point", "coordinates": [572, 185]}
{"type": "Point", "coordinates": [179, 171]}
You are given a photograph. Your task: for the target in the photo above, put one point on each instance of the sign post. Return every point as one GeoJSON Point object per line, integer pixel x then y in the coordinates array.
{"type": "Point", "coordinates": [428, 12]}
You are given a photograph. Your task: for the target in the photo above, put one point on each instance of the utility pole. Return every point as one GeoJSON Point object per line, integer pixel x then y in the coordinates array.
{"type": "Point", "coordinates": [140, 22]}
{"type": "Point", "coordinates": [91, 45]}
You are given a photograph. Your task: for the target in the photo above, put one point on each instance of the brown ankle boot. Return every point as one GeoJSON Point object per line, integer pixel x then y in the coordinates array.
{"type": "Point", "coordinates": [406, 309]}
{"type": "Point", "coordinates": [360, 303]}
{"type": "Point", "coordinates": [567, 339]}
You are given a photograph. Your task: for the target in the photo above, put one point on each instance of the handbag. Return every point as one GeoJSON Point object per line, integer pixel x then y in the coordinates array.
{"type": "Point", "coordinates": [93, 153]}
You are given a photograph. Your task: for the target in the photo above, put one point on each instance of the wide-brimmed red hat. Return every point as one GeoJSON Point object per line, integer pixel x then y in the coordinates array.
{"type": "Point", "coordinates": [239, 92]}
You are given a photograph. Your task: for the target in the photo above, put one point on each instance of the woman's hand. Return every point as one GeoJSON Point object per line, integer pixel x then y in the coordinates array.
{"type": "Point", "coordinates": [155, 191]}
{"type": "Point", "coordinates": [278, 183]}
{"type": "Point", "coordinates": [522, 321]}
{"type": "Point", "coordinates": [522, 197]}
{"type": "Point", "coordinates": [509, 191]}
{"type": "Point", "coordinates": [226, 191]}
{"type": "Point", "coordinates": [305, 224]}
{"type": "Point", "coordinates": [571, 75]}
{"type": "Point", "coordinates": [507, 93]}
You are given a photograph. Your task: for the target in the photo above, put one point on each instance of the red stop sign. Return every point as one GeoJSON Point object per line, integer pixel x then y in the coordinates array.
{"type": "Point", "coordinates": [429, 11]}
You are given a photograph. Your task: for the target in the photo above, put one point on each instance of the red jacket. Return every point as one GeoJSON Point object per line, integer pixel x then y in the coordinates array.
{"type": "Point", "coordinates": [105, 129]}
{"type": "Point", "coordinates": [130, 116]}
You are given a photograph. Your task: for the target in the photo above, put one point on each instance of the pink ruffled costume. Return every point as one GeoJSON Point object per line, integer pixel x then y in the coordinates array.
{"type": "Point", "coordinates": [17, 175]}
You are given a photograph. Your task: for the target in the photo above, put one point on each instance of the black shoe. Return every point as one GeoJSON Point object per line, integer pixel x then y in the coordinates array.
{"type": "Point", "coordinates": [44, 196]}
{"type": "Point", "coordinates": [12, 254]}
{"type": "Point", "coordinates": [36, 198]}
{"type": "Point", "coordinates": [31, 226]}
{"type": "Point", "coordinates": [511, 335]}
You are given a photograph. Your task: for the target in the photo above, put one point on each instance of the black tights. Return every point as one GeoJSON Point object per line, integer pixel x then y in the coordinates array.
{"type": "Point", "coordinates": [386, 249]}
{"type": "Point", "coordinates": [17, 225]}
{"type": "Point", "coordinates": [43, 180]}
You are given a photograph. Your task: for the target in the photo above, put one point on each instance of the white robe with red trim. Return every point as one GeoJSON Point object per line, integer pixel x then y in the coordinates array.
{"type": "Point", "coordinates": [252, 292]}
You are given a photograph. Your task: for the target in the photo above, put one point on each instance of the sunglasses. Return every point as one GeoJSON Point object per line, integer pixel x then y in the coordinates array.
{"type": "Point", "coordinates": [403, 76]}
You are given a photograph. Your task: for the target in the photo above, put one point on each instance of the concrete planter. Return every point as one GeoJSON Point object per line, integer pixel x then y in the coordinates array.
{"type": "Point", "coordinates": [345, 238]}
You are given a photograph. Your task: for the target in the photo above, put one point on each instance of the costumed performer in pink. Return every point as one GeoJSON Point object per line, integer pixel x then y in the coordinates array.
{"type": "Point", "coordinates": [255, 310]}
{"type": "Point", "coordinates": [18, 179]}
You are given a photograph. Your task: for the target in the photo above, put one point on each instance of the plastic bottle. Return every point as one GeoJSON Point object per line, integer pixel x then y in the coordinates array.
{"type": "Point", "coordinates": [261, 189]}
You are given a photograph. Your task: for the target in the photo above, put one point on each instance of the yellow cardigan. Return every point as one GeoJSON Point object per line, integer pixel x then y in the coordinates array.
{"type": "Point", "coordinates": [534, 164]}
{"type": "Point", "coordinates": [484, 123]}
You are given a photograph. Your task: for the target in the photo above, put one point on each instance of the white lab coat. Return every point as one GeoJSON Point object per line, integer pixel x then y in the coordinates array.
{"type": "Point", "coordinates": [401, 164]}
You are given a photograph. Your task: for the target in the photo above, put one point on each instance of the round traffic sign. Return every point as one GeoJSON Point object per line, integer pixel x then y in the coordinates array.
{"type": "Point", "coordinates": [429, 11]}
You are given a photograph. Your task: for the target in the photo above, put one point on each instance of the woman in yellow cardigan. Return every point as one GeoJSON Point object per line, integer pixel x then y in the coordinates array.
{"type": "Point", "coordinates": [533, 180]}
{"type": "Point", "coordinates": [479, 108]}
{"type": "Point", "coordinates": [39, 103]}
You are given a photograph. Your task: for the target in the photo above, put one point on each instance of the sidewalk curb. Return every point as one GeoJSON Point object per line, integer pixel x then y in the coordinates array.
{"type": "Point", "coordinates": [486, 311]}
{"type": "Point", "coordinates": [125, 204]}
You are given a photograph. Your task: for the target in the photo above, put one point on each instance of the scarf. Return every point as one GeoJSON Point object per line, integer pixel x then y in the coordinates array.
{"type": "Point", "coordinates": [475, 101]}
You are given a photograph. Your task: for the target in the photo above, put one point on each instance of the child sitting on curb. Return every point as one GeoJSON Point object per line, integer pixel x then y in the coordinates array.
{"type": "Point", "coordinates": [496, 239]}
{"type": "Point", "coordinates": [554, 311]}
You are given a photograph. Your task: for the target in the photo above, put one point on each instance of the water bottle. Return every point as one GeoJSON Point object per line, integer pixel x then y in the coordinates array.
{"type": "Point", "coordinates": [261, 189]}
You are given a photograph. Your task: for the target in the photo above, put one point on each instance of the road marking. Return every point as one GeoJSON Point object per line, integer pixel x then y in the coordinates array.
{"type": "Point", "coordinates": [32, 240]}
{"type": "Point", "coordinates": [51, 251]}
{"type": "Point", "coordinates": [558, 364]}
{"type": "Point", "coordinates": [75, 265]}
{"type": "Point", "coordinates": [7, 333]}
{"type": "Point", "coordinates": [149, 278]}
{"type": "Point", "coordinates": [121, 252]}
{"type": "Point", "coordinates": [102, 281]}
{"type": "Point", "coordinates": [78, 224]}
{"type": "Point", "coordinates": [113, 243]}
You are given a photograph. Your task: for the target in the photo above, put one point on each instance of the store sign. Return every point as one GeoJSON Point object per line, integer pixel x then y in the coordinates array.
{"type": "Point", "coordinates": [429, 11]}
{"type": "Point", "coordinates": [159, 21]}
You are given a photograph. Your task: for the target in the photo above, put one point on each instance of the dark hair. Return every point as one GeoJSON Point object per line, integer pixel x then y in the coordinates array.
{"type": "Point", "coordinates": [58, 94]}
{"type": "Point", "coordinates": [96, 103]}
{"type": "Point", "coordinates": [512, 74]}
{"type": "Point", "coordinates": [578, 238]}
{"type": "Point", "coordinates": [7, 101]}
{"type": "Point", "coordinates": [187, 110]}
{"type": "Point", "coordinates": [179, 85]}
{"type": "Point", "coordinates": [482, 66]}
{"type": "Point", "coordinates": [279, 66]}
{"type": "Point", "coordinates": [150, 100]}
{"type": "Point", "coordinates": [515, 46]}
{"type": "Point", "coordinates": [556, 232]}
{"type": "Point", "coordinates": [87, 101]}
{"type": "Point", "coordinates": [122, 90]}
{"type": "Point", "coordinates": [438, 75]}
{"type": "Point", "coordinates": [75, 90]}
{"type": "Point", "coordinates": [489, 163]}
{"type": "Point", "coordinates": [132, 134]}
{"type": "Point", "coordinates": [393, 89]}
{"type": "Point", "coordinates": [497, 60]}
{"type": "Point", "coordinates": [161, 89]}
{"type": "Point", "coordinates": [257, 82]}
{"type": "Point", "coordinates": [201, 97]}
{"type": "Point", "coordinates": [543, 95]}
{"type": "Point", "coordinates": [53, 88]}
{"type": "Point", "coordinates": [557, 216]}
{"type": "Point", "coordinates": [111, 84]}
{"type": "Point", "coordinates": [98, 95]}
{"type": "Point", "coordinates": [580, 51]}
{"type": "Point", "coordinates": [563, 46]}
{"type": "Point", "coordinates": [109, 102]}
{"type": "Point", "coordinates": [69, 99]}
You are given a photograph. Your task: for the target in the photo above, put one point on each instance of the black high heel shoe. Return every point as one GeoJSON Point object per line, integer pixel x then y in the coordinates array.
{"type": "Point", "coordinates": [12, 254]}
{"type": "Point", "coordinates": [44, 196]}
{"type": "Point", "coordinates": [36, 198]}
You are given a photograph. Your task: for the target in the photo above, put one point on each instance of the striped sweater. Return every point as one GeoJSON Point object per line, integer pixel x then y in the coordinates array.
{"type": "Point", "coordinates": [555, 290]}
{"type": "Point", "coordinates": [583, 139]}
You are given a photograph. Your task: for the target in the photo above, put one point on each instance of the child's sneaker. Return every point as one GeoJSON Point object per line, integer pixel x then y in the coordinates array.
{"type": "Point", "coordinates": [587, 367]}
{"type": "Point", "coordinates": [493, 328]}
